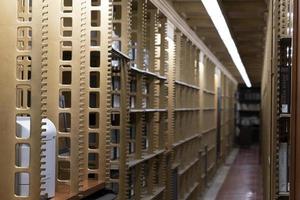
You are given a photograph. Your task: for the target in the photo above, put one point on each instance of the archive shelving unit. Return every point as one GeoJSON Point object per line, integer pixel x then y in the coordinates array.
{"type": "Point", "coordinates": [227, 123]}
{"type": "Point", "coordinates": [248, 115]}
{"type": "Point", "coordinates": [133, 95]}
{"type": "Point", "coordinates": [276, 92]}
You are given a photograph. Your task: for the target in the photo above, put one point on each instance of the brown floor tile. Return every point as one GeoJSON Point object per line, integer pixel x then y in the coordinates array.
{"type": "Point", "coordinates": [244, 181]}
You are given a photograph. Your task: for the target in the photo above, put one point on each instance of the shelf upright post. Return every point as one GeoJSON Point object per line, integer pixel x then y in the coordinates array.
{"type": "Point", "coordinates": [21, 96]}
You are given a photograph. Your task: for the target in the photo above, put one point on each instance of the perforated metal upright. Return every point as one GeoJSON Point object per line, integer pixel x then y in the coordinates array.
{"type": "Point", "coordinates": [145, 137]}
{"type": "Point", "coordinates": [77, 62]}
{"type": "Point", "coordinates": [120, 98]}
{"type": "Point", "coordinates": [282, 82]}
{"type": "Point", "coordinates": [136, 123]}
{"type": "Point", "coordinates": [63, 75]}
{"type": "Point", "coordinates": [96, 54]}
{"type": "Point", "coordinates": [20, 82]}
{"type": "Point", "coordinates": [209, 119]}
{"type": "Point", "coordinates": [187, 134]}
{"type": "Point", "coordinates": [278, 100]}
{"type": "Point", "coordinates": [131, 92]}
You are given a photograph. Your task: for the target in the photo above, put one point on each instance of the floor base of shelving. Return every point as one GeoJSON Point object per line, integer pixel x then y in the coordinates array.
{"type": "Point", "coordinates": [215, 185]}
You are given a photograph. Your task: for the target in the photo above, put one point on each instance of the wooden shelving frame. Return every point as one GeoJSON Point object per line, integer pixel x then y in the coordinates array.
{"type": "Point", "coordinates": [132, 92]}
{"type": "Point", "coordinates": [275, 120]}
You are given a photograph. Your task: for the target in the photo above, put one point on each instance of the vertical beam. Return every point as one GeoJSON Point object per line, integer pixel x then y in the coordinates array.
{"type": "Point", "coordinates": [83, 136]}
{"type": "Point", "coordinates": [201, 93]}
{"type": "Point", "coordinates": [75, 95]}
{"type": "Point", "coordinates": [97, 54]}
{"type": "Point", "coordinates": [35, 141]}
{"type": "Point", "coordinates": [20, 49]}
{"type": "Point", "coordinates": [295, 111]}
{"type": "Point", "coordinates": [151, 27]}
{"type": "Point", "coordinates": [124, 113]}
{"type": "Point", "coordinates": [120, 41]}
{"type": "Point", "coordinates": [63, 98]}
{"type": "Point", "coordinates": [105, 89]}
{"type": "Point", "coordinates": [172, 61]}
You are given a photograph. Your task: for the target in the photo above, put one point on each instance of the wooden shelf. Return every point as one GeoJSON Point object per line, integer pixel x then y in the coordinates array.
{"type": "Point", "coordinates": [211, 166]}
{"type": "Point", "coordinates": [187, 85]}
{"type": "Point", "coordinates": [284, 194]}
{"type": "Point", "coordinates": [192, 189]}
{"type": "Point", "coordinates": [179, 143]}
{"type": "Point", "coordinates": [89, 187]}
{"type": "Point", "coordinates": [186, 109]}
{"type": "Point", "coordinates": [211, 148]}
{"type": "Point", "coordinates": [209, 109]}
{"type": "Point", "coordinates": [144, 158]}
{"type": "Point", "coordinates": [209, 130]}
{"type": "Point", "coordinates": [147, 110]}
{"type": "Point", "coordinates": [118, 53]}
{"type": "Point", "coordinates": [208, 92]}
{"type": "Point", "coordinates": [284, 115]}
{"type": "Point", "coordinates": [157, 191]}
{"type": "Point", "coordinates": [135, 69]}
{"type": "Point", "coordinates": [187, 167]}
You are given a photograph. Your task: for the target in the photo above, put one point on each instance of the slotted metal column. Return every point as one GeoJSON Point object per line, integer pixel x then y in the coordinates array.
{"type": "Point", "coordinates": [20, 81]}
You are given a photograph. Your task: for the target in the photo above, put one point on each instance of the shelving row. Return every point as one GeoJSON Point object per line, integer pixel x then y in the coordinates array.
{"type": "Point", "coordinates": [279, 159]}
{"type": "Point", "coordinates": [228, 117]}
{"type": "Point", "coordinates": [133, 100]}
{"type": "Point", "coordinates": [248, 115]}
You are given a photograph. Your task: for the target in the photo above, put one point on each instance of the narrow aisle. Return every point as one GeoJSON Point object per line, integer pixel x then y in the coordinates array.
{"type": "Point", "coordinates": [244, 181]}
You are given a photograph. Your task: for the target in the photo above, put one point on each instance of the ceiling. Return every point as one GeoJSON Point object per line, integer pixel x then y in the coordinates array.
{"type": "Point", "coordinates": [246, 20]}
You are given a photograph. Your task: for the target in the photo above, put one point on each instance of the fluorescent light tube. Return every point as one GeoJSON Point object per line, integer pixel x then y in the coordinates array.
{"type": "Point", "coordinates": [213, 9]}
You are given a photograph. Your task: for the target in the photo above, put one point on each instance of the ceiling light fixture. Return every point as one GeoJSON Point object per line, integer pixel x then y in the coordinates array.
{"type": "Point", "coordinates": [213, 9]}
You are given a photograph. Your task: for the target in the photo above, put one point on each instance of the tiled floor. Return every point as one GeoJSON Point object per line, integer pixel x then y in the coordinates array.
{"type": "Point", "coordinates": [244, 181]}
